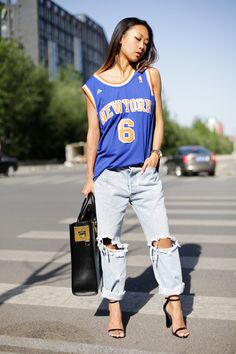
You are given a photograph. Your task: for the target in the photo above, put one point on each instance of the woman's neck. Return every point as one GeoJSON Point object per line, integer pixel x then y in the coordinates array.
{"type": "Point", "coordinates": [122, 67]}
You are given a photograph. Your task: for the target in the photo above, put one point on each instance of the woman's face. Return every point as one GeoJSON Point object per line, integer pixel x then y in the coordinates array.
{"type": "Point", "coordinates": [134, 43]}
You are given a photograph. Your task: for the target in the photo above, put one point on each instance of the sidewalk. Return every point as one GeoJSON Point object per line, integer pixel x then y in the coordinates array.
{"type": "Point", "coordinates": [226, 165]}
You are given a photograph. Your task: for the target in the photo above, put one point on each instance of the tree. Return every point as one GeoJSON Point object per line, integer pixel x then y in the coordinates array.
{"type": "Point", "coordinates": [24, 98]}
{"type": "Point", "coordinates": [67, 109]}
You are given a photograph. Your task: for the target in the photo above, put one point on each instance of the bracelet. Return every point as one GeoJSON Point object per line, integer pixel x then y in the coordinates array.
{"type": "Point", "coordinates": [158, 152]}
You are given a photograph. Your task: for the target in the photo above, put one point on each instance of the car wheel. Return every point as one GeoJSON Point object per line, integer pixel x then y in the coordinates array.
{"type": "Point", "coordinates": [165, 170]}
{"type": "Point", "coordinates": [212, 173]}
{"type": "Point", "coordinates": [178, 171]}
{"type": "Point", "coordinates": [10, 171]}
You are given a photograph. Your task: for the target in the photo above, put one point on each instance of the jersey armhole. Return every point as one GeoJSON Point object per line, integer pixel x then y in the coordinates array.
{"type": "Point", "coordinates": [149, 79]}
{"type": "Point", "coordinates": [89, 94]}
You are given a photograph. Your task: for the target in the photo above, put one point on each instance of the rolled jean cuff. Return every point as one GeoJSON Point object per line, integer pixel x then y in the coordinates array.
{"type": "Point", "coordinates": [175, 291]}
{"type": "Point", "coordinates": [107, 294]}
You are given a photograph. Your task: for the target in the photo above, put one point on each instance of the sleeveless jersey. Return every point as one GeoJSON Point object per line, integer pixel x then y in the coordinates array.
{"type": "Point", "coordinates": [126, 114]}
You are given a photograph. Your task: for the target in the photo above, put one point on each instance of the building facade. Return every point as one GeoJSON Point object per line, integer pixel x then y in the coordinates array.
{"type": "Point", "coordinates": [215, 126]}
{"type": "Point", "coordinates": [53, 37]}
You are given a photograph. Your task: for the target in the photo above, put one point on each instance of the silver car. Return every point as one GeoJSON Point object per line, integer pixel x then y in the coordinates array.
{"type": "Point", "coordinates": [189, 160]}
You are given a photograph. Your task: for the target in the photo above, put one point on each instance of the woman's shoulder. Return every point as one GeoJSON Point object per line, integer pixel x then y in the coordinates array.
{"type": "Point", "coordinates": [155, 79]}
{"type": "Point", "coordinates": [154, 72]}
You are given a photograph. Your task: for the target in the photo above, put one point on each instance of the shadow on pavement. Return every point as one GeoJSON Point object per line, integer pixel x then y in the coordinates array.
{"type": "Point", "coordinates": [38, 277]}
{"type": "Point", "coordinates": [192, 250]}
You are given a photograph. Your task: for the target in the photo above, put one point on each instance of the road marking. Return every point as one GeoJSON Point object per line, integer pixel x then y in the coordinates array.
{"type": "Point", "coordinates": [196, 263]}
{"type": "Point", "coordinates": [199, 239]}
{"type": "Point", "coordinates": [50, 235]}
{"type": "Point", "coordinates": [201, 212]}
{"type": "Point", "coordinates": [202, 222]}
{"type": "Point", "coordinates": [42, 179]}
{"type": "Point", "coordinates": [199, 204]}
{"type": "Point", "coordinates": [198, 197]}
{"type": "Point", "coordinates": [188, 222]}
{"type": "Point", "coordinates": [127, 237]}
{"type": "Point", "coordinates": [35, 256]}
{"type": "Point", "coordinates": [132, 220]}
{"type": "Point", "coordinates": [67, 221]}
{"type": "Point", "coordinates": [206, 307]}
{"type": "Point", "coordinates": [59, 346]}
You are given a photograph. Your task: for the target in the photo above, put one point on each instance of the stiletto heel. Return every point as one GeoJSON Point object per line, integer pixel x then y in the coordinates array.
{"type": "Point", "coordinates": [168, 317]}
{"type": "Point", "coordinates": [169, 320]}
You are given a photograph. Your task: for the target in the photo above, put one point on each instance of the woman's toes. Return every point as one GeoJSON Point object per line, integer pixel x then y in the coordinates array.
{"type": "Point", "coordinates": [182, 333]}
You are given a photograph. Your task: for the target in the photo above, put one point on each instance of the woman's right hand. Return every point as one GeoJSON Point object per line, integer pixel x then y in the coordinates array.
{"type": "Point", "coordinates": [88, 187]}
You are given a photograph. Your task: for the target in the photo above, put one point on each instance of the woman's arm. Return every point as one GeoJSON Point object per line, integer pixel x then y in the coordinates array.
{"type": "Point", "coordinates": [93, 136]}
{"type": "Point", "coordinates": [152, 160]}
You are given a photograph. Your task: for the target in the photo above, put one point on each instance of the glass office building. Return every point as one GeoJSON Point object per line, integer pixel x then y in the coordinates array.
{"type": "Point", "coordinates": [54, 37]}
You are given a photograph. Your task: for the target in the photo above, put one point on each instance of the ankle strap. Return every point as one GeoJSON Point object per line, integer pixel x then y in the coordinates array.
{"type": "Point", "coordinates": [170, 298]}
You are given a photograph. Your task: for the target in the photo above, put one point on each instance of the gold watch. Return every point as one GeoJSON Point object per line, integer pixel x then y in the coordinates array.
{"type": "Point", "coordinates": [158, 152]}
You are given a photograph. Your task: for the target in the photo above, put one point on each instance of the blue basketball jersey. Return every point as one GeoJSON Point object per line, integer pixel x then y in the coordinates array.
{"type": "Point", "coordinates": [126, 114]}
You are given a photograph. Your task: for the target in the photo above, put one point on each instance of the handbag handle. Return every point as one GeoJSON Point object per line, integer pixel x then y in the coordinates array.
{"type": "Point", "coordinates": [86, 201]}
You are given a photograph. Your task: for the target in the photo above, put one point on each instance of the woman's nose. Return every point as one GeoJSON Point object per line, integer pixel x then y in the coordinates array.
{"type": "Point", "coordinates": [141, 46]}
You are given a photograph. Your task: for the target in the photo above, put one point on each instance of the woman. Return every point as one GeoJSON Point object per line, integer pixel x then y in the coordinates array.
{"type": "Point", "coordinates": [125, 132]}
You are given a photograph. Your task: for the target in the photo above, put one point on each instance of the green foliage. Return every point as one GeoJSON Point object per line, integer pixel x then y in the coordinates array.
{"type": "Point", "coordinates": [67, 110]}
{"type": "Point", "coordinates": [199, 134]}
{"type": "Point", "coordinates": [24, 96]}
{"type": "Point", "coordinates": [38, 116]}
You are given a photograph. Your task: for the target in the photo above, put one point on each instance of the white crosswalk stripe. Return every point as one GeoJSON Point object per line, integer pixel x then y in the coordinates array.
{"type": "Point", "coordinates": [180, 211]}
{"type": "Point", "coordinates": [173, 222]}
{"type": "Point", "coordinates": [206, 307]}
{"type": "Point", "coordinates": [206, 197]}
{"type": "Point", "coordinates": [59, 346]}
{"type": "Point", "coordinates": [195, 263]}
{"type": "Point", "coordinates": [128, 237]}
{"type": "Point", "coordinates": [40, 179]}
{"type": "Point", "coordinates": [189, 222]}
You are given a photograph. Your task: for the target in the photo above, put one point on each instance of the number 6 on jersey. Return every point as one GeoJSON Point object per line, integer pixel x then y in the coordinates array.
{"type": "Point", "coordinates": [125, 133]}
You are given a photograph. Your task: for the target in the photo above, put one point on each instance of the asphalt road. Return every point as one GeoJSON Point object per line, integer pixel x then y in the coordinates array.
{"type": "Point", "coordinates": [38, 312]}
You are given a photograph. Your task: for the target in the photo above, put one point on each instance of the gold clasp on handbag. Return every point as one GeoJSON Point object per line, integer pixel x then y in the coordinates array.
{"type": "Point", "coordinates": [82, 233]}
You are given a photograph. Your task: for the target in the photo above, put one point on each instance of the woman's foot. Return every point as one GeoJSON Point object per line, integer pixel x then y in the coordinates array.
{"type": "Point", "coordinates": [115, 325]}
{"type": "Point", "coordinates": [174, 310]}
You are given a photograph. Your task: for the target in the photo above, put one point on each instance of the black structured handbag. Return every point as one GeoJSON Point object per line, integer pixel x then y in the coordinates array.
{"type": "Point", "coordinates": [85, 255]}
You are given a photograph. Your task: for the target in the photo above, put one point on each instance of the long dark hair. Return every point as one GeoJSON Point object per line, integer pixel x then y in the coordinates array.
{"type": "Point", "coordinates": [114, 47]}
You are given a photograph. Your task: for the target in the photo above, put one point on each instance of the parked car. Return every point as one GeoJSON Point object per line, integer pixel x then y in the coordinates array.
{"type": "Point", "coordinates": [8, 165]}
{"type": "Point", "coordinates": [190, 160]}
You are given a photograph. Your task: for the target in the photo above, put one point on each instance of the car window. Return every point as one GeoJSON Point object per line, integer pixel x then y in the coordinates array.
{"type": "Point", "coordinates": [193, 150]}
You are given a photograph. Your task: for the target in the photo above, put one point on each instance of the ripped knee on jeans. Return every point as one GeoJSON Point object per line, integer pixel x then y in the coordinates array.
{"type": "Point", "coordinates": [112, 247]}
{"type": "Point", "coordinates": [166, 242]}
{"type": "Point", "coordinates": [111, 244]}
{"type": "Point", "coordinates": [108, 243]}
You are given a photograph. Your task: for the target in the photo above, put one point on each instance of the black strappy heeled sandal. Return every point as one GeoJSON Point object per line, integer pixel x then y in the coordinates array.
{"type": "Point", "coordinates": [116, 329]}
{"type": "Point", "coordinates": [169, 318]}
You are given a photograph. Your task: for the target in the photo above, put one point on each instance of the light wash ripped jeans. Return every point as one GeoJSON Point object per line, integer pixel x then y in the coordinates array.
{"type": "Point", "coordinates": [114, 190]}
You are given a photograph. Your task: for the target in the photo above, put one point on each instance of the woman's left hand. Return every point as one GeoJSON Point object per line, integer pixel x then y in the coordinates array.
{"type": "Point", "coordinates": [151, 161]}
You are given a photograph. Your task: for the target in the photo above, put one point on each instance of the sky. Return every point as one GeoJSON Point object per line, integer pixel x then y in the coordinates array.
{"type": "Point", "coordinates": [196, 43]}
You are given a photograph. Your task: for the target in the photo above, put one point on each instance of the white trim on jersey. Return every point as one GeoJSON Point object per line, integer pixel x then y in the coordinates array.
{"type": "Point", "coordinates": [149, 80]}
{"type": "Point", "coordinates": [115, 84]}
{"type": "Point", "coordinates": [90, 95]}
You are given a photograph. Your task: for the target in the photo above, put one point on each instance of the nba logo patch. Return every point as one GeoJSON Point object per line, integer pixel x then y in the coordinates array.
{"type": "Point", "coordinates": [140, 79]}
